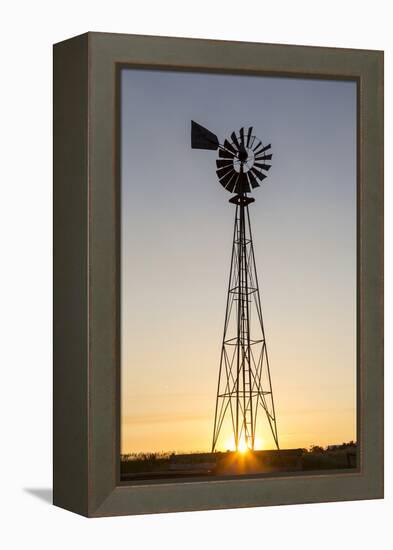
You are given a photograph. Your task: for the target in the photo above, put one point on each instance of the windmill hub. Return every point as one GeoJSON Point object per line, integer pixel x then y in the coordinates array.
{"type": "Point", "coordinates": [243, 155]}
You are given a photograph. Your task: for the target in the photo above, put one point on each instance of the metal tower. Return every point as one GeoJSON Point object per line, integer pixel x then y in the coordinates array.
{"type": "Point", "coordinates": [244, 381]}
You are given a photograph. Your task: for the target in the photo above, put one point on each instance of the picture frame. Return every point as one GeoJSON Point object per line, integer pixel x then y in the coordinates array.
{"type": "Point", "coordinates": [86, 386]}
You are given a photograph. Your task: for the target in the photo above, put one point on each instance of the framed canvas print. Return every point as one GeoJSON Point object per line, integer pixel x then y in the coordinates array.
{"type": "Point", "coordinates": [218, 274]}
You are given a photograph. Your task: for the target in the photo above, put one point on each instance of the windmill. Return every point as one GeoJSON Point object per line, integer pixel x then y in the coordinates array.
{"type": "Point", "coordinates": [244, 382]}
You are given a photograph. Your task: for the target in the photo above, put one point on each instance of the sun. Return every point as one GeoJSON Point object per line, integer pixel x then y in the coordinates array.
{"type": "Point", "coordinates": [231, 446]}
{"type": "Point", "coordinates": [243, 448]}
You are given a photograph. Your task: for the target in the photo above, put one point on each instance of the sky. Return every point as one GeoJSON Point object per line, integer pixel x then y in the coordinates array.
{"type": "Point", "coordinates": [176, 233]}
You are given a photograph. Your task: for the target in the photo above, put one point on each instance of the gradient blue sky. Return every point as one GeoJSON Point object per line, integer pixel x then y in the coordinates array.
{"type": "Point", "coordinates": [176, 244]}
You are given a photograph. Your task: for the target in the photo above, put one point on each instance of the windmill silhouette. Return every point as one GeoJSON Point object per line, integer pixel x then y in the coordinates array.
{"type": "Point", "coordinates": [244, 380]}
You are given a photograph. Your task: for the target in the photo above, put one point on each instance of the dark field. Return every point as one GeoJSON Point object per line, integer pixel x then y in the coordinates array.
{"type": "Point", "coordinates": [170, 465]}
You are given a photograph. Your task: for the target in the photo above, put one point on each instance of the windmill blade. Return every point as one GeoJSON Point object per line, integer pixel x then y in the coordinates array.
{"type": "Point", "coordinates": [246, 184]}
{"type": "Point", "coordinates": [242, 185]}
{"type": "Point", "coordinates": [226, 154]}
{"type": "Point", "coordinates": [259, 144]}
{"type": "Point", "coordinates": [224, 163]}
{"type": "Point", "coordinates": [242, 137]}
{"type": "Point", "coordinates": [253, 180]}
{"type": "Point", "coordinates": [202, 138]}
{"type": "Point", "coordinates": [223, 171]}
{"type": "Point", "coordinates": [249, 136]}
{"type": "Point", "coordinates": [225, 179]}
{"type": "Point", "coordinates": [263, 148]}
{"type": "Point", "coordinates": [235, 140]}
{"type": "Point", "coordinates": [232, 185]}
{"type": "Point", "coordinates": [230, 147]}
{"type": "Point", "coordinates": [260, 175]}
{"type": "Point", "coordinates": [266, 148]}
{"type": "Point", "coordinates": [263, 166]}
{"type": "Point", "coordinates": [229, 181]}
{"type": "Point", "coordinates": [263, 157]}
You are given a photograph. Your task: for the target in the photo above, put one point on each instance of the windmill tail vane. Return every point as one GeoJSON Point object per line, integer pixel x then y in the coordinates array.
{"type": "Point", "coordinates": [244, 389]}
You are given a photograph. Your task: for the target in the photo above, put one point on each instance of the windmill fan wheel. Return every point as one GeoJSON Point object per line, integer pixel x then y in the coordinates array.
{"type": "Point", "coordinates": [241, 165]}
